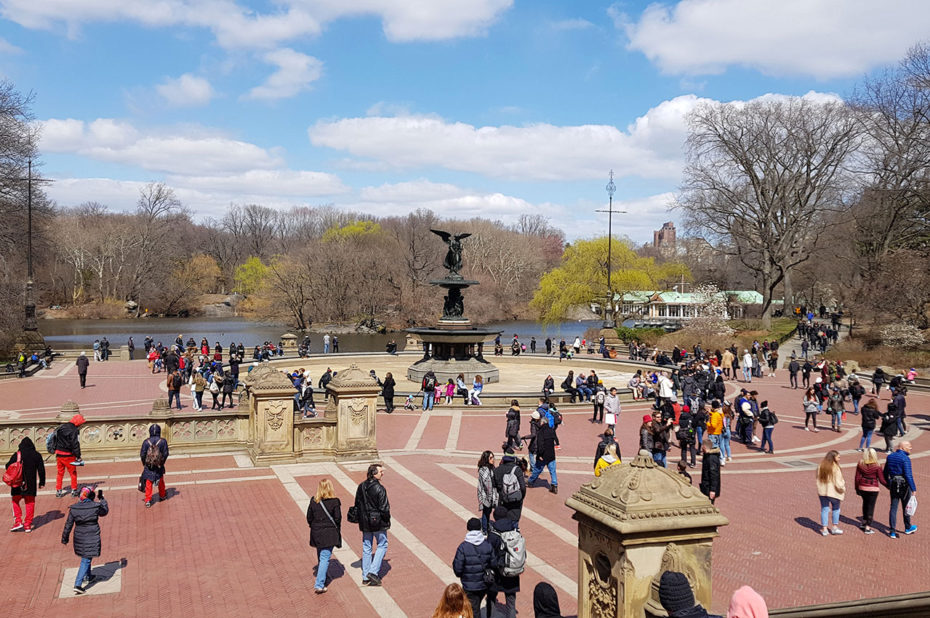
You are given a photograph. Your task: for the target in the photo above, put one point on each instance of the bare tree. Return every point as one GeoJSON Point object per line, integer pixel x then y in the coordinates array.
{"type": "Point", "coordinates": [761, 176]}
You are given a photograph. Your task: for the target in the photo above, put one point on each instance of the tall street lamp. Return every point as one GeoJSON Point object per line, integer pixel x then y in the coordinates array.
{"type": "Point", "coordinates": [611, 189]}
{"type": "Point", "coordinates": [30, 338]}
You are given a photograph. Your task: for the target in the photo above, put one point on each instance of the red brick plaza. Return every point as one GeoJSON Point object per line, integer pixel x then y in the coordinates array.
{"type": "Point", "coordinates": [233, 540]}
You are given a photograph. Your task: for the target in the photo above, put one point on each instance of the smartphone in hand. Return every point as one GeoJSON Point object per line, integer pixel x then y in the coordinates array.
{"type": "Point", "coordinates": [99, 494]}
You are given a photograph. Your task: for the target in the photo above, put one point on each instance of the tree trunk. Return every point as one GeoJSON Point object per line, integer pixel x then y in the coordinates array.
{"type": "Point", "coordinates": [788, 298]}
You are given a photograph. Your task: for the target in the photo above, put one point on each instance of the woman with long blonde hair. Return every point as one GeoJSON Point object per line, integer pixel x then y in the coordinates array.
{"type": "Point", "coordinates": [832, 489]}
{"type": "Point", "coordinates": [324, 517]}
{"type": "Point", "coordinates": [869, 475]}
{"type": "Point", "coordinates": [453, 604]}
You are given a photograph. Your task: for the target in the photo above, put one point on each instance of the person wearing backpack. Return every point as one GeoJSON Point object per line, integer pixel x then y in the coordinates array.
{"type": "Point", "coordinates": [31, 466]}
{"type": "Point", "coordinates": [82, 364]}
{"type": "Point", "coordinates": [511, 485]}
{"type": "Point", "coordinates": [686, 437]}
{"type": "Point", "coordinates": [600, 398]}
{"type": "Point", "coordinates": [229, 384]}
{"type": "Point", "coordinates": [607, 438]}
{"type": "Point", "coordinates": [767, 419]}
{"type": "Point", "coordinates": [154, 454]}
{"type": "Point", "coordinates": [510, 550]}
{"type": "Point", "coordinates": [67, 446]}
{"type": "Point", "coordinates": [325, 520]}
{"type": "Point", "coordinates": [545, 456]}
{"type": "Point", "coordinates": [428, 385]}
{"type": "Point", "coordinates": [216, 383]}
{"type": "Point", "coordinates": [82, 517]}
{"type": "Point", "coordinates": [174, 383]}
{"type": "Point", "coordinates": [475, 564]}
{"type": "Point", "coordinates": [856, 393]}
{"type": "Point", "coordinates": [487, 492]}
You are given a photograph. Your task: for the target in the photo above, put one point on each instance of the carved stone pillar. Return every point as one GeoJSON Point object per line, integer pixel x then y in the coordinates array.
{"type": "Point", "coordinates": [353, 401]}
{"type": "Point", "coordinates": [289, 343]}
{"type": "Point", "coordinates": [271, 415]}
{"type": "Point", "coordinates": [636, 521]}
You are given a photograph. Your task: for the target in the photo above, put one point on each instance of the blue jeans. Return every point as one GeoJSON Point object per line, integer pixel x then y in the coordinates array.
{"type": "Point", "coordinates": [83, 571]}
{"type": "Point", "coordinates": [373, 565]}
{"type": "Point", "coordinates": [825, 505]}
{"type": "Point", "coordinates": [428, 399]}
{"type": "Point", "coordinates": [532, 459]}
{"type": "Point", "coordinates": [900, 422]}
{"type": "Point", "coordinates": [659, 458]}
{"type": "Point", "coordinates": [855, 406]}
{"type": "Point", "coordinates": [538, 468]}
{"type": "Point", "coordinates": [836, 420]}
{"type": "Point", "coordinates": [866, 438]}
{"type": "Point", "coordinates": [767, 437]}
{"type": "Point", "coordinates": [174, 395]}
{"type": "Point", "coordinates": [699, 432]}
{"type": "Point", "coordinates": [325, 348]}
{"type": "Point", "coordinates": [584, 391]}
{"type": "Point", "coordinates": [714, 439]}
{"type": "Point", "coordinates": [747, 374]}
{"type": "Point", "coordinates": [323, 555]}
{"type": "Point", "coordinates": [198, 397]}
{"type": "Point", "coordinates": [725, 444]}
{"type": "Point", "coordinates": [486, 517]}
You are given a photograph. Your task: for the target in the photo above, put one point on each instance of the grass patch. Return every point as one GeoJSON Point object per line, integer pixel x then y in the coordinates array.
{"type": "Point", "coordinates": [747, 331]}
{"type": "Point", "coordinates": [869, 354]}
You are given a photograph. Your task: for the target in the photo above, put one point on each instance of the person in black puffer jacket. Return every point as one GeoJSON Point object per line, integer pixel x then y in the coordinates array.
{"type": "Point", "coordinates": [473, 558]}
{"type": "Point", "coordinates": [82, 516]}
{"type": "Point", "coordinates": [33, 466]}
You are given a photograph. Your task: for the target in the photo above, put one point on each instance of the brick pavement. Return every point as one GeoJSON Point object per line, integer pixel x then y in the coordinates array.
{"type": "Point", "coordinates": [233, 539]}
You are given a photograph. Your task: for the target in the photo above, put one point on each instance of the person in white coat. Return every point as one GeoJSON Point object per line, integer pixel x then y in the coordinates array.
{"type": "Point", "coordinates": [747, 366]}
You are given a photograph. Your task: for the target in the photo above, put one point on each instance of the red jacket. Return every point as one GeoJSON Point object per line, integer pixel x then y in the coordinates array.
{"type": "Point", "coordinates": [869, 476]}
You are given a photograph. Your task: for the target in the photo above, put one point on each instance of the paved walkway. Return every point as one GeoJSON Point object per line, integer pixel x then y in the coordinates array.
{"type": "Point", "coordinates": [232, 537]}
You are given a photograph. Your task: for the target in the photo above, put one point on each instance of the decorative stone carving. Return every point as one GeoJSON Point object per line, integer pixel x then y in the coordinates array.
{"type": "Point", "coordinates": [358, 410]}
{"type": "Point", "coordinates": [635, 521]}
{"type": "Point", "coordinates": [266, 378]}
{"type": "Point", "coordinates": [275, 417]}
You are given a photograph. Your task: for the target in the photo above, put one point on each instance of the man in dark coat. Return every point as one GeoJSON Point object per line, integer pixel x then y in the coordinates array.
{"type": "Point", "coordinates": [33, 467]}
{"type": "Point", "coordinates": [67, 452]}
{"type": "Point", "coordinates": [82, 516]}
{"type": "Point", "coordinates": [374, 520]}
{"type": "Point", "coordinates": [710, 470]}
{"type": "Point", "coordinates": [507, 466]}
{"type": "Point", "coordinates": [82, 362]}
{"type": "Point", "coordinates": [677, 599]}
{"type": "Point", "coordinates": [545, 456]}
{"type": "Point", "coordinates": [472, 558]}
{"type": "Point", "coordinates": [153, 470]}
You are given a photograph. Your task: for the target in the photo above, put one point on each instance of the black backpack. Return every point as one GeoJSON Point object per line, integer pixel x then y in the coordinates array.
{"type": "Point", "coordinates": [176, 381]}
{"type": "Point", "coordinates": [429, 383]}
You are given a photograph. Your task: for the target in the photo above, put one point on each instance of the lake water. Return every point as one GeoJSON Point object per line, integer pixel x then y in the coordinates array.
{"type": "Point", "coordinates": [73, 334]}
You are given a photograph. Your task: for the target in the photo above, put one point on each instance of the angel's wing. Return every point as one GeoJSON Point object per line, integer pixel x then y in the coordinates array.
{"type": "Point", "coordinates": [461, 236]}
{"type": "Point", "coordinates": [444, 235]}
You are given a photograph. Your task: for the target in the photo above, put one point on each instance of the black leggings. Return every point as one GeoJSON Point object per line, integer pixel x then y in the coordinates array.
{"type": "Point", "coordinates": [868, 506]}
{"type": "Point", "coordinates": [808, 416]}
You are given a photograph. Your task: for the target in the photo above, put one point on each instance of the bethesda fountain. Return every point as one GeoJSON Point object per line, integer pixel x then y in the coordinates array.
{"type": "Point", "coordinates": [453, 345]}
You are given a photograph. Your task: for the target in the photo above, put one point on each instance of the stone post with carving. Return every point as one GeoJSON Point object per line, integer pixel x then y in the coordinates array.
{"type": "Point", "coordinates": [353, 400]}
{"type": "Point", "coordinates": [636, 521]}
{"type": "Point", "coordinates": [271, 415]}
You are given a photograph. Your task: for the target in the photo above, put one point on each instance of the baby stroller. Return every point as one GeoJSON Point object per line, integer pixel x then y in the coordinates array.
{"type": "Point", "coordinates": [409, 403]}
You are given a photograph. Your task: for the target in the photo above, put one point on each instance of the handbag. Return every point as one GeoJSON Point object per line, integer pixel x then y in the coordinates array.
{"type": "Point", "coordinates": [142, 483]}
{"type": "Point", "coordinates": [352, 515]}
{"type": "Point", "coordinates": [14, 473]}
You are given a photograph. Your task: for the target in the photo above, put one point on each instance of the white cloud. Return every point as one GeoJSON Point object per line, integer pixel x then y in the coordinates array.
{"type": "Point", "coordinates": [187, 90]}
{"type": "Point", "coordinates": [295, 73]}
{"type": "Point", "coordinates": [119, 142]}
{"type": "Point", "coordinates": [8, 48]}
{"type": "Point", "coordinates": [651, 147]}
{"type": "Point", "coordinates": [823, 38]}
{"type": "Point", "coordinates": [237, 27]}
{"type": "Point", "coordinates": [272, 182]}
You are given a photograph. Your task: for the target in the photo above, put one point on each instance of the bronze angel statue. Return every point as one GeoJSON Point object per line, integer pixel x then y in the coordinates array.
{"type": "Point", "coordinates": [453, 261]}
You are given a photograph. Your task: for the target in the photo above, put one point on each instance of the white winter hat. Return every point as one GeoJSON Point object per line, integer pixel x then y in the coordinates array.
{"type": "Point", "coordinates": [818, 380]}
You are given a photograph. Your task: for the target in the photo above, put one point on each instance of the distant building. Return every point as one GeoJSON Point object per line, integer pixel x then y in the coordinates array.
{"type": "Point", "coordinates": [664, 238]}
{"type": "Point", "coordinates": [681, 306]}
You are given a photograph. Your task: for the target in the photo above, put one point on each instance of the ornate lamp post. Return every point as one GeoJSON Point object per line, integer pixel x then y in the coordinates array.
{"type": "Point", "coordinates": [30, 338]}
{"type": "Point", "coordinates": [611, 189]}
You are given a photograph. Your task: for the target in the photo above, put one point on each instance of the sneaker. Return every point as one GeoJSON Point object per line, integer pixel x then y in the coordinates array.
{"type": "Point", "coordinates": [807, 429]}
{"type": "Point", "coordinates": [365, 581]}
{"type": "Point", "coordinates": [869, 531]}
{"type": "Point", "coordinates": [836, 531]}
{"type": "Point", "coordinates": [320, 590]}
{"type": "Point", "coordinates": [79, 590]}
{"type": "Point", "coordinates": [893, 535]}
{"type": "Point", "coordinates": [373, 580]}
{"type": "Point", "coordinates": [61, 493]}
{"type": "Point", "coordinates": [555, 489]}
{"type": "Point", "coordinates": [723, 461]}
{"type": "Point", "coordinates": [824, 533]}
{"type": "Point", "coordinates": [756, 439]}
{"type": "Point", "coordinates": [75, 493]}
{"type": "Point", "coordinates": [816, 430]}
{"type": "Point", "coordinates": [910, 529]}
{"type": "Point", "coordinates": [28, 529]}
{"type": "Point", "coordinates": [16, 528]}
{"type": "Point", "coordinates": [148, 504]}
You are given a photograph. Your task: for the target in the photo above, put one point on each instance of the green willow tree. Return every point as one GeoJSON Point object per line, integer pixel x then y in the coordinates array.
{"type": "Point", "coordinates": [581, 278]}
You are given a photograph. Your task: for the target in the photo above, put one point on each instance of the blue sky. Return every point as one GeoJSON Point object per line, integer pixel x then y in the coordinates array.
{"type": "Point", "coordinates": [468, 107]}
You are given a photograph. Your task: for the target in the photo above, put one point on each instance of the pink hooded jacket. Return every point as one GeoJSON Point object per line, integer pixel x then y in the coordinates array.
{"type": "Point", "coordinates": [746, 603]}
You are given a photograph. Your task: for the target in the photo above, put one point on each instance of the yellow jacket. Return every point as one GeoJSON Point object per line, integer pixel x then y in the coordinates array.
{"type": "Point", "coordinates": [715, 422]}
{"type": "Point", "coordinates": [605, 461]}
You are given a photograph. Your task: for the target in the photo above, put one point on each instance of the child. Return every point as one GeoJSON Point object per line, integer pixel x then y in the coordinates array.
{"type": "Point", "coordinates": [683, 470]}
{"type": "Point", "coordinates": [438, 392]}
{"type": "Point", "coordinates": [450, 392]}
{"type": "Point", "coordinates": [408, 404]}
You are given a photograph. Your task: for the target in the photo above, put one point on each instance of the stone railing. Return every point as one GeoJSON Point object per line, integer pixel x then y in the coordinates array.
{"type": "Point", "coordinates": [122, 436]}
{"type": "Point", "coordinates": [914, 605]}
